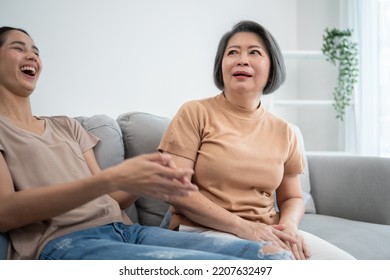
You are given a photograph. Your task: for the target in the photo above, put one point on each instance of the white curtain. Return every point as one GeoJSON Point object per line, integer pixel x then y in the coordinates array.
{"type": "Point", "coordinates": [368, 95]}
{"type": "Point", "coordinates": [384, 76]}
{"type": "Point", "coordinates": [350, 127]}
{"type": "Point", "coordinates": [372, 100]}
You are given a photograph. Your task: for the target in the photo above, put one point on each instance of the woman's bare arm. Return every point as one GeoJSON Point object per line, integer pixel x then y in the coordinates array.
{"type": "Point", "coordinates": [124, 199]}
{"type": "Point", "coordinates": [143, 175]}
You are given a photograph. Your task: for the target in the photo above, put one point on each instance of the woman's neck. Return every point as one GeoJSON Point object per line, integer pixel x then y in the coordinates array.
{"type": "Point", "coordinates": [16, 108]}
{"type": "Point", "coordinates": [247, 101]}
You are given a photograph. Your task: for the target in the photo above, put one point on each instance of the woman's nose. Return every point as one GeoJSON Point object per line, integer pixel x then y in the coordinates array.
{"type": "Point", "coordinates": [242, 59]}
{"type": "Point", "coordinates": [32, 56]}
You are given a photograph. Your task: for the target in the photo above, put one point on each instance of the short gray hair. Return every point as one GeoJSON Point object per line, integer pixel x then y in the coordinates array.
{"type": "Point", "coordinates": [278, 69]}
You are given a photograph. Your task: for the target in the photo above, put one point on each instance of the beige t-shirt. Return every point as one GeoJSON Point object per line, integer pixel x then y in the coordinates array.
{"type": "Point", "coordinates": [240, 155]}
{"type": "Point", "coordinates": [54, 157]}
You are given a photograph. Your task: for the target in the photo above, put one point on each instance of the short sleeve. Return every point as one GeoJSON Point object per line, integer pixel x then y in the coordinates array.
{"type": "Point", "coordinates": [184, 133]}
{"type": "Point", "coordinates": [85, 139]}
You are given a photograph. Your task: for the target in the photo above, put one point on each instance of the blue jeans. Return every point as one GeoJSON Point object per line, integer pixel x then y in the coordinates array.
{"type": "Point", "coordinates": [121, 242]}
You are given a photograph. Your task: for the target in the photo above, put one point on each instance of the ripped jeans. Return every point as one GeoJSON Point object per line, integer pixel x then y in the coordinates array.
{"type": "Point", "coordinates": [122, 242]}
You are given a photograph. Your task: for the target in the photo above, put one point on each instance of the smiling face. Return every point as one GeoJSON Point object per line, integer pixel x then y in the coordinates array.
{"type": "Point", "coordinates": [20, 65]}
{"type": "Point", "coordinates": [245, 65]}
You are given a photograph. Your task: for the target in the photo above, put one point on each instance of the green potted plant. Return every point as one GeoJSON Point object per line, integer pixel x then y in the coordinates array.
{"type": "Point", "coordinates": [342, 52]}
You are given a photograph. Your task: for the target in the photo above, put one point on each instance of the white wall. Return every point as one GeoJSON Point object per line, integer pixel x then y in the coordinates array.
{"type": "Point", "coordinates": [317, 79]}
{"type": "Point", "coordinates": [116, 56]}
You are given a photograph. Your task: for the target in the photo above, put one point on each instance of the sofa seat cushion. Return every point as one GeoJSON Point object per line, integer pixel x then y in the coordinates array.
{"type": "Point", "coordinates": [362, 240]}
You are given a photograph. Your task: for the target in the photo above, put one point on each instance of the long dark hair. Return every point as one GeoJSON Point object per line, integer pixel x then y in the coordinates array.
{"type": "Point", "coordinates": [5, 29]}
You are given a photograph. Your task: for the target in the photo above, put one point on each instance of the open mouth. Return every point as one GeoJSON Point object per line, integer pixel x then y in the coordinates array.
{"type": "Point", "coordinates": [28, 70]}
{"type": "Point", "coordinates": [242, 74]}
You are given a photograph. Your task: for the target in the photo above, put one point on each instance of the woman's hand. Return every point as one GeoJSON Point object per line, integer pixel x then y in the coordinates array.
{"type": "Point", "coordinates": [299, 249]}
{"type": "Point", "coordinates": [291, 209]}
{"type": "Point", "coordinates": [262, 232]}
{"type": "Point", "coordinates": [153, 175]}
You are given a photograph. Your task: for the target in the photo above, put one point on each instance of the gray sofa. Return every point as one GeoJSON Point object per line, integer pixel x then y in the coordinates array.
{"type": "Point", "coordinates": [347, 197]}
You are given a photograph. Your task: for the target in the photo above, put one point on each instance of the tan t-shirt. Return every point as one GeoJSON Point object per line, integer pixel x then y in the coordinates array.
{"type": "Point", "coordinates": [240, 155]}
{"type": "Point", "coordinates": [54, 157]}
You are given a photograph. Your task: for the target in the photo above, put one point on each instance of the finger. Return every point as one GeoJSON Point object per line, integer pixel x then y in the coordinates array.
{"type": "Point", "coordinates": [163, 159]}
{"type": "Point", "coordinates": [173, 185]}
{"type": "Point", "coordinates": [296, 252]}
{"type": "Point", "coordinates": [302, 254]}
{"type": "Point", "coordinates": [179, 173]}
{"type": "Point", "coordinates": [156, 157]}
{"type": "Point", "coordinates": [291, 249]}
{"type": "Point", "coordinates": [185, 180]}
{"type": "Point", "coordinates": [284, 236]}
{"type": "Point", "coordinates": [301, 247]}
{"type": "Point", "coordinates": [279, 227]}
{"type": "Point", "coordinates": [288, 245]}
{"type": "Point", "coordinates": [306, 250]}
{"type": "Point", "coordinates": [172, 164]}
{"type": "Point", "coordinates": [279, 242]}
{"type": "Point", "coordinates": [268, 234]}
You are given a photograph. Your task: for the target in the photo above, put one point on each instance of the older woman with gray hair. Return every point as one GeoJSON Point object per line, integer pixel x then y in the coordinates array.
{"type": "Point", "coordinates": [244, 157]}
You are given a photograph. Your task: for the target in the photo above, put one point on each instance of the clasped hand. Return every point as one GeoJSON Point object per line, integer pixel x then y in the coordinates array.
{"type": "Point", "coordinates": [153, 175]}
{"type": "Point", "coordinates": [279, 235]}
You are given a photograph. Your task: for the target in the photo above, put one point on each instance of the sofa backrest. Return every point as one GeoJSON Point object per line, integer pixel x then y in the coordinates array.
{"type": "Point", "coordinates": [142, 133]}
{"type": "Point", "coordinates": [109, 151]}
{"type": "Point", "coordinates": [136, 133]}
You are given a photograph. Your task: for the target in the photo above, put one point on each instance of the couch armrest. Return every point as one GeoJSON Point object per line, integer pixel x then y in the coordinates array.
{"type": "Point", "coordinates": [351, 187]}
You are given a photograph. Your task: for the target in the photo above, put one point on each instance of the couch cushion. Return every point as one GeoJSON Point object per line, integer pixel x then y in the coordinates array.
{"type": "Point", "coordinates": [142, 133]}
{"type": "Point", "coordinates": [364, 241]}
{"type": "Point", "coordinates": [109, 151]}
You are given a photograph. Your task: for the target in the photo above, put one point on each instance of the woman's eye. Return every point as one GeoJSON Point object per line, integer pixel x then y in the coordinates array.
{"type": "Point", "coordinates": [255, 52]}
{"type": "Point", "coordinates": [231, 52]}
